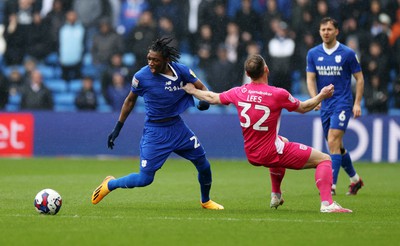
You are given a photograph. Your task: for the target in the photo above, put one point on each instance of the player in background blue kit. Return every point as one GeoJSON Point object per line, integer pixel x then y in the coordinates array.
{"type": "Point", "coordinates": [334, 63]}
{"type": "Point", "coordinates": [160, 84]}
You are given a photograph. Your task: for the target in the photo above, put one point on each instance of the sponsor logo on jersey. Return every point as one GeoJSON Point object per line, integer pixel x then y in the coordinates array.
{"type": "Point", "coordinates": [321, 58]}
{"type": "Point", "coordinates": [329, 70]}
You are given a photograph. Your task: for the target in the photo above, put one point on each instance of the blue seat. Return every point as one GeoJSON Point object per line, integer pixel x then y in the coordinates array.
{"type": "Point", "coordinates": [75, 85]}
{"type": "Point", "coordinates": [65, 108]}
{"type": "Point", "coordinates": [51, 59]}
{"type": "Point", "coordinates": [47, 71]}
{"type": "Point", "coordinates": [56, 85]}
{"type": "Point", "coordinates": [128, 59]}
{"type": "Point", "coordinates": [64, 98]}
{"type": "Point", "coordinates": [14, 99]}
{"type": "Point", "coordinates": [8, 69]}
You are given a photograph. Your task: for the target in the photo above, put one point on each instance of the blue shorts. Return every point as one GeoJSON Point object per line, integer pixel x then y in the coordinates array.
{"type": "Point", "coordinates": [336, 119]}
{"type": "Point", "coordinates": [159, 140]}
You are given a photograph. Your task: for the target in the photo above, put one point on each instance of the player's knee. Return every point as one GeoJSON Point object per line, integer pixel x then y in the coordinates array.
{"type": "Point", "coordinates": [325, 157]}
{"type": "Point", "coordinates": [201, 164]}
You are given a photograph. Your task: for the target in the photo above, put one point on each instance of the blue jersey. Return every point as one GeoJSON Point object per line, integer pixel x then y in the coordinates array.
{"type": "Point", "coordinates": [337, 69]}
{"type": "Point", "coordinates": [163, 94]}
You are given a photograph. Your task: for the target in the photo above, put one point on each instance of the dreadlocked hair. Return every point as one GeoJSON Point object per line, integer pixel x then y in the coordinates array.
{"type": "Point", "coordinates": [161, 45]}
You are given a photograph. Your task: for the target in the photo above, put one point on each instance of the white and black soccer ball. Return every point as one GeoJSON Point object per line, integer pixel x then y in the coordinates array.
{"type": "Point", "coordinates": [48, 201]}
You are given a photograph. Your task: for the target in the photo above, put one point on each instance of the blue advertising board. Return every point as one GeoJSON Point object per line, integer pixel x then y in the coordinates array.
{"type": "Point", "coordinates": [369, 138]}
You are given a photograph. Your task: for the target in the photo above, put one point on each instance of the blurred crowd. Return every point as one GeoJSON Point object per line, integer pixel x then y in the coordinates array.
{"type": "Point", "coordinates": [95, 46]}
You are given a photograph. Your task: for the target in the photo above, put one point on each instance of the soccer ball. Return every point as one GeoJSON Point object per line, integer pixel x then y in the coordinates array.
{"type": "Point", "coordinates": [48, 201]}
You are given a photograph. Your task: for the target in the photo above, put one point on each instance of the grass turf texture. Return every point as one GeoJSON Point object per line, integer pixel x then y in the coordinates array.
{"type": "Point", "coordinates": [168, 211]}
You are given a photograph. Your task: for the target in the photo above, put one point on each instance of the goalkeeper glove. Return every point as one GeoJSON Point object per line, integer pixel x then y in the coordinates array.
{"type": "Point", "coordinates": [114, 134]}
{"type": "Point", "coordinates": [203, 105]}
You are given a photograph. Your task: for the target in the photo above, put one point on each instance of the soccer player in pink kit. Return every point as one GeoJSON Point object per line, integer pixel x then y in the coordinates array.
{"type": "Point", "coordinates": [259, 107]}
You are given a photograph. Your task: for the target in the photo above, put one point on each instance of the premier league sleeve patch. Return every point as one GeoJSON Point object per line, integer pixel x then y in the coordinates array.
{"type": "Point", "coordinates": [135, 82]}
{"type": "Point", "coordinates": [192, 73]}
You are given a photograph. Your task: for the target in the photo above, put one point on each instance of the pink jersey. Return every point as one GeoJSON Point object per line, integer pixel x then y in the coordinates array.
{"type": "Point", "coordinates": [259, 107]}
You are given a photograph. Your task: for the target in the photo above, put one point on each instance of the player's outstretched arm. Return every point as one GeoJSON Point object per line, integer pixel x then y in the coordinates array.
{"type": "Point", "coordinates": [312, 87]}
{"type": "Point", "coordinates": [311, 103]}
{"type": "Point", "coordinates": [126, 109]}
{"type": "Point", "coordinates": [208, 96]}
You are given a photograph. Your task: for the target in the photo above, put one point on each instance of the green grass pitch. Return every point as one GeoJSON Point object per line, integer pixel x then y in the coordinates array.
{"type": "Point", "coordinates": [168, 211]}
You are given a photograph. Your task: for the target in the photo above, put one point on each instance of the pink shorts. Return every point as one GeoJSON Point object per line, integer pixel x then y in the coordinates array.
{"type": "Point", "coordinates": [294, 156]}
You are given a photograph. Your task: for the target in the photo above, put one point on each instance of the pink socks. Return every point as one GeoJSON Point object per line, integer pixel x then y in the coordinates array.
{"type": "Point", "coordinates": [323, 180]}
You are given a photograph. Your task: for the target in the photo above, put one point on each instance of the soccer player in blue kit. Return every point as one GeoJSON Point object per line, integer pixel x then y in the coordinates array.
{"type": "Point", "coordinates": [334, 63]}
{"type": "Point", "coordinates": [160, 84]}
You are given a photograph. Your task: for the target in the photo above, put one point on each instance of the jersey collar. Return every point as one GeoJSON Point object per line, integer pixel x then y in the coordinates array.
{"type": "Point", "coordinates": [331, 50]}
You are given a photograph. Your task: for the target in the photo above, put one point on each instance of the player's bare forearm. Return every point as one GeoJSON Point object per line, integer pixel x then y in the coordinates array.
{"type": "Point", "coordinates": [208, 96]}
{"type": "Point", "coordinates": [127, 107]}
{"type": "Point", "coordinates": [199, 85]}
{"type": "Point", "coordinates": [359, 94]}
{"type": "Point", "coordinates": [312, 84]}
{"type": "Point", "coordinates": [311, 103]}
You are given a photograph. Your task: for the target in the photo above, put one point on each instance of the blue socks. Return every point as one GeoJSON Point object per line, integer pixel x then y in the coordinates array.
{"type": "Point", "coordinates": [336, 163]}
{"type": "Point", "coordinates": [204, 177]}
{"type": "Point", "coordinates": [347, 165]}
{"type": "Point", "coordinates": [142, 179]}
{"type": "Point", "coordinates": [131, 181]}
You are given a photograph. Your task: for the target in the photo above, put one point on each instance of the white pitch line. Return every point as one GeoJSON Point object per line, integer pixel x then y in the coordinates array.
{"type": "Point", "coordinates": [208, 219]}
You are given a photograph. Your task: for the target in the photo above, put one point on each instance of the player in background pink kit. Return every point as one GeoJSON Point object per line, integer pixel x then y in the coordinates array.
{"type": "Point", "coordinates": [259, 107]}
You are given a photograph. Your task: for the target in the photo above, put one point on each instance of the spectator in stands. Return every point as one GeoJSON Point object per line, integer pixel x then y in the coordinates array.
{"type": "Point", "coordinates": [38, 40]}
{"type": "Point", "coordinates": [18, 30]}
{"type": "Point", "coordinates": [30, 65]}
{"type": "Point", "coordinates": [252, 48]}
{"type": "Point", "coordinates": [170, 9]}
{"type": "Point", "coordinates": [90, 12]}
{"type": "Point", "coordinates": [305, 43]}
{"type": "Point", "coordinates": [35, 95]}
{"type": "Point", "coordinates": [271, 14]}
{"type": "Point", "coordinates": [86, 99]}
{"type": "Point", "coordinates": [106, 43]}
{"type": "Point", "coordinates": [205, 46]}
{"type": "Point", "coordinates": [396, 92]}
{"type": "Point", "coordinates": [351, 28]}
{"type": "Point", "coordinates": [321, 9]}
{"type": "Point", "coordinates": [166, 28]}
{"type": "Point", "coordinates": [190, 21]}
{"type": "Point", "coordinates": [281, 52]}
{"type": "Point", "coordinates": [376, 96]}
{"type": "Point", "coordinates": [376, 63]}
{"type": "Point", "coordinates": [131, 11]}
{"type": "Point", "coordinates": [232, 41]}
{"type": "Point", "coordinates": [71, 46]}
{"type": "Point", "coordinates": [218, 20]}
{"type": "Point", "coordinates": [249, 22]}
{"type": "Point", "coordinates": [15, 82]}
{"type": "Point", "coordinates": [117, 91]}
{"type": "Point", "coordinates": [54, 20]}
{"type": "Point", "coordinates": [4, 91]}
{"type": "Point", "coordinates": [115, 66]}
{"type": "Point", "coordinates": [221, 74]}
{"type": "Point", "coordinates": [138, 39]}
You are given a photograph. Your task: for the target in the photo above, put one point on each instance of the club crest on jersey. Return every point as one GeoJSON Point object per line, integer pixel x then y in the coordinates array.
{"type": "Point", "coordinates": [135, 82]}
{"type": "Point", "coordinates": [338, 58]}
